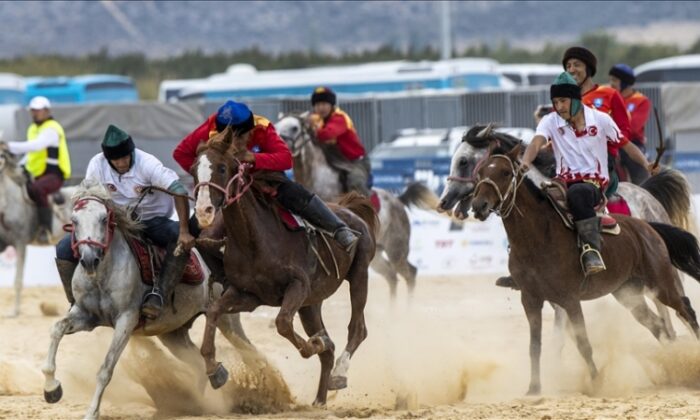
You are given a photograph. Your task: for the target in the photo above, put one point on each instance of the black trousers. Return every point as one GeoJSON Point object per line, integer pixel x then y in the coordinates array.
{"type": "Point", "coordinates": [582, 198]}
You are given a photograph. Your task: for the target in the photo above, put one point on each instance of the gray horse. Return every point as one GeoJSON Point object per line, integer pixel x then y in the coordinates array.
{"type": "Point", "coordinates": [108, 289]}
{"type": "Point", "coordinates": [18, 216]}
{"type": "Point", "coordinates": [664, 198]}
{"type": "Point", "coordinates": [311, 169]}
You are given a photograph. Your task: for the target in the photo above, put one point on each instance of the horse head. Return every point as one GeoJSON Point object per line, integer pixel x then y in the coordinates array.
{"type": "Point", "coordinates": [295, 130]}
{"type": "Point", "coordinates": [7, 159]}
{"type": "Point", "coordinates": [499, 177]}
{"type": "Point", "coordinates": [92, 225]}
{"type": "Point", "coordinates": [218, 169]}
{"type": "Point", "coordinates": [461, 182]}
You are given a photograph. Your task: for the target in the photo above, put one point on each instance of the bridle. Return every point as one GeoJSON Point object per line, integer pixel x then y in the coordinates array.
{"type": "Point", "coordinates": [506, 201]}
{"type": "Point", "coordinates": [305, 133]}
{"type": "Point", "coordinates": [241, 182]}
{"type": "Point", "coordinates": [470, 179]}
{"type": "Point", "coordinates": [109, 228]}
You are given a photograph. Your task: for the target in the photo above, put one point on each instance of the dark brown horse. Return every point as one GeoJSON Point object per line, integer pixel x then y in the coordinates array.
{"type": "Point", "coordinates": [267, 264]}
{"type": "Point", "coordinates": [545, 256]}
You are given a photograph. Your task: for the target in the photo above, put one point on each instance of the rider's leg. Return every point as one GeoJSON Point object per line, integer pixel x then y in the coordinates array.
{"type": "Point", "coordinates": [296, 198]}
{"type": "Point", "coordinates": [163, 232]}
{"type": "Point", "coordinates": [39, 191]}
{"type": "Point", "coordinates": [582, 198]}
{"type": "Point", "coordinates": [66, 263]}
{"type": "Point", "coordinates": [357, 180]}
{"type": "Point", "coordinates": [637, 172]}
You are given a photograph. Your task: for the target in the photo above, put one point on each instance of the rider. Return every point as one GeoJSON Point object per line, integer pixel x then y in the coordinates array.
{"type": "Point", "coordinates": [581, 136]}
{"type": "Point", "coordinates": [332, 126]}
{"type": "Point", "coordinates": [638, 105]}
{"type": "Point", "coordinates": [47, 161]}
{"type": "Point", "coordinates": [266, 151]}
{"type": "Point", "coordinates": [125, 171]}
{"type": "Point", "coordinates": [581, 64]}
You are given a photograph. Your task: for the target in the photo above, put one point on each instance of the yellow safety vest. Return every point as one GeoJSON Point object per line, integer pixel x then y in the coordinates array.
{"type": "Point", "coordinates": [38, 161]}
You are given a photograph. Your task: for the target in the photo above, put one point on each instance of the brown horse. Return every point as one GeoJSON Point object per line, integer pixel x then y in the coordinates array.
{"type": "Point", "coordinates": [267, 264]}
{"type": "Point", "coordinates": [545, 256]}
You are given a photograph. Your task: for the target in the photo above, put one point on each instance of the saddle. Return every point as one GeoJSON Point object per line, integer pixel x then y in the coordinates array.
{"type": "Point", "coordinates": [555, 191]}
{"type": "Point", "coordinates": [290, 220]}
{"type": "Point", "coordinates": [150, 260]}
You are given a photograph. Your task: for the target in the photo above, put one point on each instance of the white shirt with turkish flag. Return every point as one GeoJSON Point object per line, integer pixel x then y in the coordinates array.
{"type": "Point", "coordinates": [581, 155]}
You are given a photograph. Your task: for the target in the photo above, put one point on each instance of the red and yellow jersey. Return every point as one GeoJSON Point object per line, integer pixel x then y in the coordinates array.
{"type": "Point", "coordinates": [608, 100]}
{"type": "Point", "coordinates": [339, 127]}
{"type": "Point", "coordinates": [638, 105]}
{"type": "Point", "coordinates": [271, 152]}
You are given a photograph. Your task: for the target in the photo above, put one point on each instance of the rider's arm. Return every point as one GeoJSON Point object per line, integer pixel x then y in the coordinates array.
{"type": "Point", "coordinates": [635, 154]}
{"type": "Point", "coordinates": [334, 127]}
{"type": "Point", "coordinates": [274, 153]}
{"type": "Point", "coordinates": [532, 149]}
{"type": "Point", "coordinates": [47, 138]}
{"type": "Point", "coordinates": [186, 151]}
{"type": "Point", "coordinates": [182, 205]}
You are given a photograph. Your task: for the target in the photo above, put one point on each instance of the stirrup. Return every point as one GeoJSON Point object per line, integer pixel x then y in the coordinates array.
{"type": "Point", "coordinates": [585, 249]}
{"type": "Point", "coordinates": [154, 292]}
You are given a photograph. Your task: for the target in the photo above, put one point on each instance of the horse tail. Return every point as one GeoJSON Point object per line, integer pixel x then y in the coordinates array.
{"type": "Point", "coordinates": [420, 196]}
{"type": "Point", "coordinates": [673, 192]}
{"type": "Point", "coordinates": [362, 207]}
{"type": "Point", "coordinates": [682, 247]}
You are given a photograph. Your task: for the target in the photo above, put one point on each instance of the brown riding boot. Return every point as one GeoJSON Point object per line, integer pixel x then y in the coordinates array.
{"type": "Point", "coordinates": [588, 231]}
{"type": "Point", "coordinates": [65, 272]}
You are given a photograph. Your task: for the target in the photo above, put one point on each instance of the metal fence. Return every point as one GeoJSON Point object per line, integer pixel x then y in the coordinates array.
{"type": "Point", "coordinates": [378, 119]}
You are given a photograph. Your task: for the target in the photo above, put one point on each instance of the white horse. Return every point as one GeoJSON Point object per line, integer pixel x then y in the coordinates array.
{"type": "Point", "coordinates": [18, 216]}
{"type": "Point", "coordinates": [108, 291]}
{"type": "Point", "coordinates": [311, 169]}
{"type": "Point", "coordinates": [664, 198]}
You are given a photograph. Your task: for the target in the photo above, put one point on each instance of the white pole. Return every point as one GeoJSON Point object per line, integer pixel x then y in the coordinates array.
{"type": "Point", "coordinates": [445, 30]}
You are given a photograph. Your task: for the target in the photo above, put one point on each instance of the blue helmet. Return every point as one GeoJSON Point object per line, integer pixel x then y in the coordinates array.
{"type": "Point", "coordinates": [624, 73]}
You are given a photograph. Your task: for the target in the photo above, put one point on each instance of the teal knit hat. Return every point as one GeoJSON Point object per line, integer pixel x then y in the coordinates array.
{"type": "Point", "coordinates": [565, 86]}
{"type": "Point", "coordinates": [117, 143]}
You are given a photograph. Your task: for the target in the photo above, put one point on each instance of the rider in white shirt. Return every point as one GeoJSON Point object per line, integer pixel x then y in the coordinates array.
{"type": "Point", "coordinates": [127, 172]}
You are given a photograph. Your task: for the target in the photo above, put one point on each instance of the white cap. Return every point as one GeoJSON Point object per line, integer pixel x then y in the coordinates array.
{"type": "Point", "coordinates": [39, 102]}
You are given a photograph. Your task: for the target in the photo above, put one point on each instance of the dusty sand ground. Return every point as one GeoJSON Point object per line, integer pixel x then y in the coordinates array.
{"type": "Point", "coordinates": [457, 350]}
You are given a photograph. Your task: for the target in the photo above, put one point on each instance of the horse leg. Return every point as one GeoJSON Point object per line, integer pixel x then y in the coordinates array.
{"type": "Point", "coordinates": [230, 301]}
{"type": "Point", "coordinates": [665, 316]}
{"type": "Point", "coordinates": [312, 321]}
{"type": "Point", "coordinates": [408, 271]}
{"type": "Point", "coordinates": [21, 250]}
{"type": "Point", "coordinates": [75, 321]}
{"type": "Point", "coordinates": [384, 267]}
{"type": "Point", "coordinates": [671, 297]}
{"type": "Point", "coordinates": [533, 310]}
{"type": "Point", "coordinates": [631, 296]}
{"type": "Point", "coordinates": [357, 329]}
{"type": "Point", "coordinates": [294, 297]}
{"type": "Point", "coordinates": [231, 327]}
{"type": "Point", "coordinates": [181, 346]}
{"type": "Point", "coordinates": [122, 331]}
{"type": "Point", "coordinates": [560, 324]}
{"type": "Point", "coordinates": [575, 313]}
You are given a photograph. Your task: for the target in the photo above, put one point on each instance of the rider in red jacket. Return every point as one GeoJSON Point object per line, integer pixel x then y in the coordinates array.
{"type": "Point", "coordinates": [582, 65]}
{"type": "Point", "coordinates": [638, 105]}
{"type": "Point", "coordinates": [334, 127]}
{"type": "Point", "coordinates": [266, 151]}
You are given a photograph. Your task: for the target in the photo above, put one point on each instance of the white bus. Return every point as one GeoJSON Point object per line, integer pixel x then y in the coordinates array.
{"type": "Point", "coordinates": [682, 68]}
{"type": "Point", "coordinates": [531, 74]}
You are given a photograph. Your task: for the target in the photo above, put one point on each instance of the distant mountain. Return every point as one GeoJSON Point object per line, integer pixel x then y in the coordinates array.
{"type": "Point", "coordinates": [167, 28]}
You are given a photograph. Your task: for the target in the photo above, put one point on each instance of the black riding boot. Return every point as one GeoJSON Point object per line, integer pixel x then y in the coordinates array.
{"type": "Point", "coordinates": [3, 245]}
{"type": "Point", "coordinates": [319, 215]}
{"type": "Point", "coordinates": [163, 286]}
{"type": "Point", "coordinates": [45, 224]}
{"type": "Point", "coordinates": [65, 272]}
{"type": "Point", "coordinates": [589, 244]}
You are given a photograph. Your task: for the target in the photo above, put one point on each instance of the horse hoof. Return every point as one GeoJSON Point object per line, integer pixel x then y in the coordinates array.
{"type": "Point", "coordinates": [219, 377]}
{"type": "Point", "coordinates": [338, 382]}
{"type": "Point", "coordinates": [319, 403]}
{"type": "Point", "coordinates": [52, 397]}
{"type": "Point", "coordinates": [533, 390]}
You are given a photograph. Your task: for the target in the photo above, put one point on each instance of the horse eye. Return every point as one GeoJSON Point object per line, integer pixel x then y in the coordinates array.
{"type": "Point", "coordinates": [505, 172]}
{"type": "Point", "coordinates": [463, 162]}
{"type": "Point", "coordinates": [222, 169]}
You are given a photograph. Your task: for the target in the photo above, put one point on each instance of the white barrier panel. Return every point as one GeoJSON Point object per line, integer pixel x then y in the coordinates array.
{"type": "Point", "coordinates": [39, 269]}
{"type": "Point", "coordinates": [441, 247]}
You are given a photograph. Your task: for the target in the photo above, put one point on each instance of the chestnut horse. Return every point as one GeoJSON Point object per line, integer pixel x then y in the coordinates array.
{"type": "Point", "coordinates": [545, 259]}
{"type": "Point", "coordinates": [267, 264]}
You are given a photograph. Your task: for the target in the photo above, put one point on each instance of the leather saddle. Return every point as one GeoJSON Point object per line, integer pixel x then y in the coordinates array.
{"type": "Point", "coordinates": [555, 191]}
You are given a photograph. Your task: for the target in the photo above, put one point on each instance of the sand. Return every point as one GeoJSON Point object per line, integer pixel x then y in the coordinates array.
{"type": "Point", "coordinates": [457, 349]}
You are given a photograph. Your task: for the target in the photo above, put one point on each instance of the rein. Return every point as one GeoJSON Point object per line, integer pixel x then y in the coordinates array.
{"type": "Point", "coordinates": [241, 184]}
{"type": "Point", "coordinates": [506, 201]}
{"type": "Point", "coordinates": [110, 225]}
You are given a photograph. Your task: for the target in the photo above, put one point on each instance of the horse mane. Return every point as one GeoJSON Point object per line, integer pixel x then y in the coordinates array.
{"type": "Point", "coordinates": [122, 216]}
{"type": "Point", "coordinates": [362, 207]}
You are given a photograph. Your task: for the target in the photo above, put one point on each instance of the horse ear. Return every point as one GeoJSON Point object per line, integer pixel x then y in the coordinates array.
{"type": "Point", "coordinates": [228, 135]}
{"type": "Point", "coordinates": [514, 154]}
{"type": "Point", "coordinates": [280, 115]}
{"type": "Point", "coordinates": [486, 131]}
